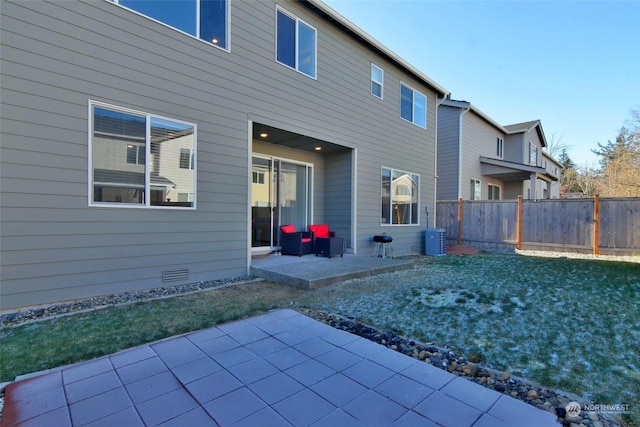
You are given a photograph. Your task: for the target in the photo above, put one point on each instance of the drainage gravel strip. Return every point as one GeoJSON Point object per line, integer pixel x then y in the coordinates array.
{"type": "Point", "coordinates": [102, 302]}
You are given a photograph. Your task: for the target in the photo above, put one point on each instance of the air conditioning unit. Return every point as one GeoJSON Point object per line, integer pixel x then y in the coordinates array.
{"type": "Point", "coordinates": [435, 241]}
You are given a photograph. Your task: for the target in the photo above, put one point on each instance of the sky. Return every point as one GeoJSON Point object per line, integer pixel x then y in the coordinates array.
{"type": "Point", "coordinates": [574, 65]}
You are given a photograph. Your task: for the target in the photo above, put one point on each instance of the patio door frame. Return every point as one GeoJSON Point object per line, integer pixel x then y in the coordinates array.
{"type": "Point", "coordinates": [275, 194]}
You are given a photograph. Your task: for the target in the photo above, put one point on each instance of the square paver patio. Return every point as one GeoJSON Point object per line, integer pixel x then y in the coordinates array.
{"type": "Point", "coordinates": [277, 369]}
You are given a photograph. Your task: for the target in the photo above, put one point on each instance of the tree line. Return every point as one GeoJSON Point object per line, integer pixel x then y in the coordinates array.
{"type": "Point", "coordinates": [617, 173]}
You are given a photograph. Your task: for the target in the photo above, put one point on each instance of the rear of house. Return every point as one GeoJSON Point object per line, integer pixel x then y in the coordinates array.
{"type": "Point", "coordinates": [144, 146]}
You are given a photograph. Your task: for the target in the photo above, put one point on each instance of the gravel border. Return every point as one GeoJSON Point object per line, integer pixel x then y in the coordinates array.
{"type": "Point", "coordinates": [98, 303]}
{"type": "Point", "coordinates": [574, 255]}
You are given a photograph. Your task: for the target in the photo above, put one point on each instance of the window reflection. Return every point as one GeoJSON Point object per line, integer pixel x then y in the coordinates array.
{"type": "Point", "coordinates": [183, 15]}
{"type": "Point", "coordinates": [130, 166]}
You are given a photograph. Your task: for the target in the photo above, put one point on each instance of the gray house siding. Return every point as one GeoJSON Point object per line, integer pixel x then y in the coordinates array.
{"type": "Point", "coordinates": [535, 190]}
{"type": "Point", "coordinates": [448, 152]}
{"type": "Point", "coordinates": [58, 56]}
{"type": "Point", "coordinates": [338, 190]}
{"type": "Point", "coordinates": [478, 139]}
{"type": "Point", "coordinates": [514, 148]}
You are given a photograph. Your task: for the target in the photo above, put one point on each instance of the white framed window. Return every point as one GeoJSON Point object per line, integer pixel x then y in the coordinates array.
{"type": "Point", "coordinates": [413, 106]}
{"type": "Point", "coordinates": [500, 147]}
{"type": "Point", "coordinates": [257, 177]}
{"type": "Point", "coordinates": [296, 43]}
{"type": "Point", "coordinates": [207, 20]}
{"type": "Point", "coordinates": [494, 192]}
{"type": "Point", "coordinates": [533, 154]}
{"type": "Point", "coordinates": [377, 81]}
{"type": "Point", "coordinates": [476, 190]}
{"type": "Point", "coordinates": [164, 171]}
{"type": "Point", "coordinates": [136, 154]}
{"type": "Point", "coordinates": [400, 193]}
{"type": "Point", "coordinates": [187, 158]}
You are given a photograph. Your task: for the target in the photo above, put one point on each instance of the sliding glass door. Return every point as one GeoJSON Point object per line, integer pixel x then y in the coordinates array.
{"type": "Point", "coordinates": [280, 194]}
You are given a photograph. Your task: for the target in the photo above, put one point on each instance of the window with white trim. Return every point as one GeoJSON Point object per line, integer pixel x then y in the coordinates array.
{"type": "Point", "coordinates": [413, 106]}
{"type": "Point", "coordinates": [377, 81]}
{"type": "Point", "coordinates": [494, 192]}
{"type": "Point", "coordinates": [207, 20]}
{"type": "Point", "coordinates": [295, 43]}
{"type": "Point", "coordinates": [187, 158]}
{"type": "Point", "coordinates": [136, 154]}
{"type": "Point", "coordinates": [400, 197]}
{"type": "Point", "coordinates": [533, 154]}
{"type": "Point", "coordinates": [164, 171]}
{"type": "Point", "coordinates": [476, 190]}
{"type": "Point", "coordinates": [500, 147]}
{"type": "Point", "coordinates": [257, 177]}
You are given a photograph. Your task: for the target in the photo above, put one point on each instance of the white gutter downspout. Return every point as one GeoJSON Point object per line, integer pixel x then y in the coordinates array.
{"type": "Point", "coordinates": [435, 161]}
{"type": "Point", "coordinates": [465, 110]}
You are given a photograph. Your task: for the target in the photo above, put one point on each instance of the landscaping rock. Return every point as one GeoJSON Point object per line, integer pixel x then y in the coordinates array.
{"type": "Point", "coordinates": [96, 303]}
{"type": "Point", "coordinates": [471, 369]}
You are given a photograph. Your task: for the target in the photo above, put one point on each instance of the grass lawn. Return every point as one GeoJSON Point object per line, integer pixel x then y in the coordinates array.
{"type": "Point", "coordinates": [565, 323]}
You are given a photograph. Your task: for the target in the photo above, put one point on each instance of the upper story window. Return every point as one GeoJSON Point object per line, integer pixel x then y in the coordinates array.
{"type": "Point", "coordinates": [295, 43]}
{"type": "Point", "coordinates": [187, 158]}
{"type": "Point", "coordinates": [207, 20]}
{"type": "Point", "coordinates": [257, 177]}
{"type": "Point", "coordinates": [400, 197]}
{"type": "Point", "coordinates": [413, 106]}
{"type": "Point", "coordinates": [533, 154]}
{"type": "Point", "coordinates": [136, 154]}
{"type": "Point", "coordinates": [499, 147]}
{"type": "Point", "coordinates": [140, 160]}
{"type": "Point", "coordinates": [377, 80]}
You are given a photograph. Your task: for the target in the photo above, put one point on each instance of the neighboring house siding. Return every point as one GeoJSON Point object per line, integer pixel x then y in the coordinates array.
{"type": "Point", "coordinates": [512, 190]}
{"type": "Point", "coordinates": [58, 56]}
{"type": "Point", "coordinates": [514, 148]}
{"type": "Point", "coordinates": [532, 140]}
{"type": "Point", "coordinates": [448, 153]}
{"type": "Point", "coordinates": [478, 140]}
{"type": "Point", "coordinates": [554, 168]}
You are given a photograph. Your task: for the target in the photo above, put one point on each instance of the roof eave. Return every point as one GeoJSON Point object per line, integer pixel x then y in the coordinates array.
{"type": "Point", "coordinates": [360, 35]}
{"type": "Point", "coordinates": [466, 104]}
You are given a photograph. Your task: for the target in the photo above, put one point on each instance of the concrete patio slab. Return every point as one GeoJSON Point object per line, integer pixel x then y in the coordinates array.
{"type": "Point", "coordinates": [310, 271]}
{"type": "Point", "coordinates": [277, 369]}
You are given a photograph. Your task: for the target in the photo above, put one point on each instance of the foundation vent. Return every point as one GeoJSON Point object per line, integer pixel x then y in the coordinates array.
{"type": "Point", "coordinates": [175, 275]}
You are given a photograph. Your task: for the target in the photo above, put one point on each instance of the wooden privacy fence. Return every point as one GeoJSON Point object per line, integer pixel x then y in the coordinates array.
{"type": "Point", "coordinates": [598, 225]}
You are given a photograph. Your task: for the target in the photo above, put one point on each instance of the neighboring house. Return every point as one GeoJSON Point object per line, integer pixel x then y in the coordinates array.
{"type": "Point", "coordinates": [143, 143]}
{"type": "Point", "coordinates": [554, 169]}
{"type": "Point", "coordinates": [479, 159]}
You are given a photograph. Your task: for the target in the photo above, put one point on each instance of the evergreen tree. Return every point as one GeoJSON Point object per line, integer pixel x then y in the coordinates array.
{"type": "Point", "coordinates": [620, 161]}
{"type": "Point", "coordinates": [569, 175]}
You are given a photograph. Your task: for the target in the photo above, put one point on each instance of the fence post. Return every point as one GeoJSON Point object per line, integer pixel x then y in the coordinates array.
{"type": "Point", "coordinates": [596, 225]}
{"type": "Point", "coordinates": [519, 225]}
{"type": "Point", "coordinates": [460, 221]}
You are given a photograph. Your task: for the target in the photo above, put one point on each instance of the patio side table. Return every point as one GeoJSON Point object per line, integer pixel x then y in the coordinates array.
{"type": "Point", "coordinates": [329, 246]}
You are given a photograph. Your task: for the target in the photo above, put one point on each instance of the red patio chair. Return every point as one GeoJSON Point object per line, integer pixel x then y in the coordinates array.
{"type": "Point", "coordinates": [295, 242]}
